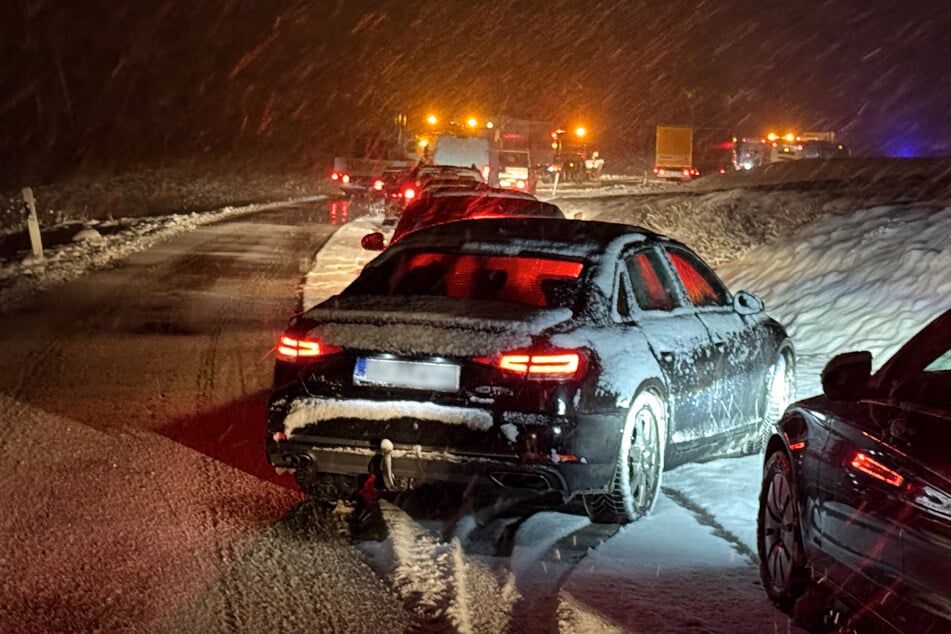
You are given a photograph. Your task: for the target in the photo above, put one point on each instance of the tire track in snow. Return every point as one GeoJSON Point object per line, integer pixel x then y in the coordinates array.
{"type": "Point", "coordinates": [705, 518]}
{"type": "Point", "coordinates": [438, 581]}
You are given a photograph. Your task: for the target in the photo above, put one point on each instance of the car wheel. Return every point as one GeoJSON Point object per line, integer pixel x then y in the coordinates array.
{"type": "Point", "coordinates": [325, 487]}
{"type": "Point", "coordinates": [778, 392]}
{"type": "Point", "coordinates": [640, 464]}
{"type": "Point", "coordinates": [779, 535]}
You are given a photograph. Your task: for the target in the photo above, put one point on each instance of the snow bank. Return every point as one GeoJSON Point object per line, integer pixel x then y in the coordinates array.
{"type": "Point", "coordinates": [867, 280]}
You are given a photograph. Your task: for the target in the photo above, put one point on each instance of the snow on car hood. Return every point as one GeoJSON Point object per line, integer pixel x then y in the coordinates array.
{"type": "Point", "coordinates": [429, 325]}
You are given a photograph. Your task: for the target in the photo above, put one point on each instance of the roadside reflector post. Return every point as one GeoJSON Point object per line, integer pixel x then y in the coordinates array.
{"type": "Point", "coordinates": [33, 223]}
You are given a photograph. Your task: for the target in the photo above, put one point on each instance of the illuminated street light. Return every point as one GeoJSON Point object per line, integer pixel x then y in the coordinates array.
{"type": "Point", "coordinates": [432, 119]}
{"type": "Point", "coordinates": [423, 143]}
{"type": "Point", "coordinates": [489, 124]}
{"type": "Point", "coordinates": [580, 131]}
{"type": "Point", "coordinates": [472, 122]}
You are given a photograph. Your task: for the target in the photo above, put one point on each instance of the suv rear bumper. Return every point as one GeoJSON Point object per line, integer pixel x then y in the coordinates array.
{"type": "Point", "coordinates": [406, 466]}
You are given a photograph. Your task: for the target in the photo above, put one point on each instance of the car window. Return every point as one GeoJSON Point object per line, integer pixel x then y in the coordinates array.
{"type": "Point", "coordinates": [623, 304]}
{"type": "Point", "coordinates": [941, 364]}
{"type": "Point", "coordinates": [703, 286]}
{"type": "Point", "coordinates": [535, 281]}
{"type": "Point", "coordinates": [650, 281]}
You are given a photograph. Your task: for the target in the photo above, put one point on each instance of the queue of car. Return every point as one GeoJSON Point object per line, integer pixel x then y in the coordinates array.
{"type": "Point", "coordinates": [495, 342]}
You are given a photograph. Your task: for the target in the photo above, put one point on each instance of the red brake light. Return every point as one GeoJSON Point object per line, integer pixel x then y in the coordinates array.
{"type": "Point", "coordinates": [409, 193]}
{"type": "Point", "coordinates": [877, 470]}
{"type": "Point", "coordinates": [334, 176]}
{"type": "Point", "coordinates": [378, 185]}
{"type": "Point", "coordinates": [547, 365]}
{"type": "Point", "coordinates": [293, 349]}
{"type": "Point", "coordinates": [345, 178]}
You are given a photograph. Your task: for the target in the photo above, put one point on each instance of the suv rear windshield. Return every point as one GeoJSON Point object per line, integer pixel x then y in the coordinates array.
{"type": "Point", "coordinates": [530, 280]}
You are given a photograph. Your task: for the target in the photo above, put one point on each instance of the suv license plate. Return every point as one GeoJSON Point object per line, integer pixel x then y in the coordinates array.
{"type": "Point", "coordinates": [417, 375]}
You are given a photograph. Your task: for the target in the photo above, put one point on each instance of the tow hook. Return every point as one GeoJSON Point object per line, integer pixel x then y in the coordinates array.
{"type": "Point", "coordinates": [386, 464]}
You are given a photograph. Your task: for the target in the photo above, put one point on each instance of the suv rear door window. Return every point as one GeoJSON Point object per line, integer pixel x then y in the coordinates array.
{"type": "Point", "coordinates": [703, 286]}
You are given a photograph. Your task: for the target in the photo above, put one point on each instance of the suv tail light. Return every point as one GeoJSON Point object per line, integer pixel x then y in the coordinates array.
{"type": "Point", "coordinates": [545, 365]}
{"type": "Point", "coordinates": [292, 349]}
{"type": "Point", "coordinates": [409, 193]}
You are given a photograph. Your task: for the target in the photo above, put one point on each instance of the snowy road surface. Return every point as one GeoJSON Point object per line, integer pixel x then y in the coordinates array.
{"type": "Point", "coordinates": [136, 497]}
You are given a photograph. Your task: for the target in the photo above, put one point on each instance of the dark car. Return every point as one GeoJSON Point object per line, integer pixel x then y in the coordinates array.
{"type": "Point", "coordinates": [856, 496]}
{"type": "Point", "coordinates": [449, 205]}
{"type": "Point", "coordinates": [406, 189]}
{"type": "Point", "coordinates": [560, 356]}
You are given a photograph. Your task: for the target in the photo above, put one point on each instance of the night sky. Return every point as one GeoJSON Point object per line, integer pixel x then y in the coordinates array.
{"type": "Point", "coordinates": [107, 84]}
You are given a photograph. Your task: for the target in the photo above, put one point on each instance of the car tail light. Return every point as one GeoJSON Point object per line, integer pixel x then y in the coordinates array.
{"type": "Point", "coordinates": [378, 185]}
{"type": "Point", "coordinates": [335, 176]}
{"type": "Point", "coordinates": [861, 462]}
{"type": "Point", "coordinates": [345, 178]}
{"type": "Point", "coordinates": [540, 366]}
{"type": "Point", "coordinates": [293, 349]}
{"type": "Point", "coordinates": [486, 170]}
{"type": "Point", "coordinates": [687, 172]}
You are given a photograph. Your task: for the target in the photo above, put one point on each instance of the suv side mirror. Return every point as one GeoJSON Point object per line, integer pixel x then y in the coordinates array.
{"type": "Point", "coordinates": [746, 303]}
{"type": "Point", "coordinates": [846, 376]}
{"type": "Point", "coordinates": [372, 241]}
